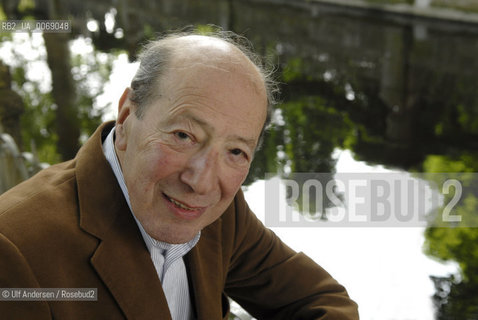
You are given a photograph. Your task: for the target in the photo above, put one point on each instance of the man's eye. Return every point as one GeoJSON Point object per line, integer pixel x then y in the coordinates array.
{"type": "Point", "coordinates": [239, 153]}
{"type": "Point", "coordinates": [182, 135]}
{"type": "Point", "coordinates": [238, 157]}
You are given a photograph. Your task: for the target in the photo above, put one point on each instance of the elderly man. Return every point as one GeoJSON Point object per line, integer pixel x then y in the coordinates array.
{"type": "Point", "coordinates": [150, 211]}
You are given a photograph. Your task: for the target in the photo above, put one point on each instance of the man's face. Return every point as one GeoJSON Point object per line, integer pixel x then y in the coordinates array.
{"type": "Point", "coordinates": [186, 158]}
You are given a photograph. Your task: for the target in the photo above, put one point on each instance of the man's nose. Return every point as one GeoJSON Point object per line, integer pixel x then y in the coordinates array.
{"type": "Point", "coordinates": [201, 171]}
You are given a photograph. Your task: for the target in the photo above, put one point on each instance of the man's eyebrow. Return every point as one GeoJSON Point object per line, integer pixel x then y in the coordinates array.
{"type": "Point", "coordinates": [200, 122]}
{"type": "Point", "coordinates": [250, 142]}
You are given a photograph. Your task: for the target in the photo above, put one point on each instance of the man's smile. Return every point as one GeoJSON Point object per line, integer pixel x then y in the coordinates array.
{"type": "Point", "coordinates": [184, 210]}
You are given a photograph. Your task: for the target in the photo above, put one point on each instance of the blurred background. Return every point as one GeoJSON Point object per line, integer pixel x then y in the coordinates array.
{"type": "Point", "coordinates": [367, 86]}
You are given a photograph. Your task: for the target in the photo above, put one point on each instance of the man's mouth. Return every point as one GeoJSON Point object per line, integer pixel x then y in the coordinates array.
{"type": "Point", "coordinates": [181, 205]}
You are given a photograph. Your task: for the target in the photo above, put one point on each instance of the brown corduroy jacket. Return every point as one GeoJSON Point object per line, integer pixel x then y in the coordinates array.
{"type": "Point", "coordinates": [70, 227]}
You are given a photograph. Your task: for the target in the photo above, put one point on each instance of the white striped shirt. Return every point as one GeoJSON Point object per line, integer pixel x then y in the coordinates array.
{"type": "Point", "coordinates": [167, 258]}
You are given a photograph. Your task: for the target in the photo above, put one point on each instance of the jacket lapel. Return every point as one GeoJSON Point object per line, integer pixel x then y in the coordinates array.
{"type": "Point", "coordinates": [204, 263]}
{"type": "Point", "coordinates": [124, 264]}
{"type": "Point", "coordinates": [121, 259]}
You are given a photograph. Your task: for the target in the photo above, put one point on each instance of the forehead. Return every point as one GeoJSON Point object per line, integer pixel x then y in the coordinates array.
{"type": "Point", "coordinates": [233, 94]}
{"type": "Point", "coordinates": [205, 64]}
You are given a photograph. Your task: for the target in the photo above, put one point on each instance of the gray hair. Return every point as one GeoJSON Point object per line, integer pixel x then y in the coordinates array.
{"type": "Point", "coordinates": [156, 55]}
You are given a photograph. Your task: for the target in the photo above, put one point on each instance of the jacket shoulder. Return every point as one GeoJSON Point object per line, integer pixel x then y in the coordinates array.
{"type": "Point", "coordinates": [47, 196]}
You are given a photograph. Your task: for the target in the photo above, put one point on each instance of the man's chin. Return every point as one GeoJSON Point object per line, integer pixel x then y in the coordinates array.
{"type": "Point", "coordinates": [176, 236]}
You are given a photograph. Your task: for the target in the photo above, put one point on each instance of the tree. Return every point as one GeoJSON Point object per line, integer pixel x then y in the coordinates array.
{"type": "Point", "coordinates": [63, 93]}
{"type": "Point", "coordinates": [11, 106]}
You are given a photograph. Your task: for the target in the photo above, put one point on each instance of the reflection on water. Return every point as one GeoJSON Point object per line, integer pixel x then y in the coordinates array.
{"type": "Point", "coordinates": [383, 269]}
{"type": "Point", "coordinates": [394, 93]}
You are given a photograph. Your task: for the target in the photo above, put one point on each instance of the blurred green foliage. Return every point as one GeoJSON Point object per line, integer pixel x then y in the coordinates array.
{"type": "Point", "coordinates": [456, 296]}
{"type": "Point", "coordinates": [90, 72]}
{"type": "Point", "coordinates": [3, 16]}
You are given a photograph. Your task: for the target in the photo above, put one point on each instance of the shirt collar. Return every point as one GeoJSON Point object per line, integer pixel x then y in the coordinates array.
{"type": "Point", "coordinates": [172, 250]}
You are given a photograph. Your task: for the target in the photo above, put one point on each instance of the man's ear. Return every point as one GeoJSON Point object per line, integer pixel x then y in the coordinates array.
{"type": "Point", "coordinates": [124, 106]}
{"type": "Point", "coordinates": [125, 109]}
